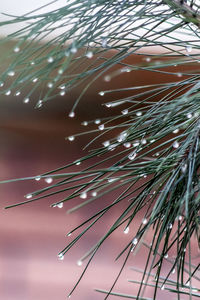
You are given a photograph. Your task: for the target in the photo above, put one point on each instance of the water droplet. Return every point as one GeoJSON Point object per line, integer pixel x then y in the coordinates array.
{"type": "Point", "coordinates": [85, 123]}
{"type": "Point", "coordinates": [112, 179]}
{"type": "Point", "coordinates": [35, 80]}
{"type": "Point", "coordinates": [138, 114]}
{"type": "Point", "coordinates": [28, 196]}
{"type": "Point", "coordinates": [148, 59]}
{"type": "Point", "coordinates": [144, 221]}
{"type": "Point", "coordinates": [60, 205]}
{"type": "Point", "coordinates": [83, 195]}
{"type": "Point", "coordinates": [48, 180]}
{"type": "Point", "coordinates": [78, 163]}
{"type": "Point", "coordinates": [125, 70]}
{"type": "Point", "coordinates": [26, 100]}
{"type": "Point", "coordinates": [97, 121]}
{"type": "Point", "coordinates": [124, 112]}
{"type": "Point", "coordinates": [89, 54]}
{"type": "Point", "coordinates": [73, 49]}
{"type": "Point", "coordinates": [8, 93]}
{"type": "Point", "coordinates": [104, 42]}
{"type": "Point", "coordinates": [112, 147]}
{"type": "Point", "coordinates": [17, 93]}
{"type": "Point", "coordinates": [166, 256]}
{"type": "Point", "coordinates": [79, 263]}
{"type": "Point", "coordinates": [162, 287]}
{"type": "Point", "coordinates": [126, 230]}
{"type": "Point", "coordinates": [175, 144]}
{"type": "Point", "coordinates": [143, 141]}
{"type": "Point", "coordinates": [50, 85]}
{"type": "Point", "coordinates": [62, 87]}
{"type": "Point", "coordinates": [72, 114]}
{"type": "Point", "coordinates": [132, 155]}
{"type": "Point", "coordinates": [107, 78]}
{"type": "Point", "coordinates": [60, 71]}
{"type": "Point", "coordinates": [39, 104]}
{"type": "Point", "coordinates": [108, 104]}
{"type": "Point", "coordinates": [170, 226]}
{"type": "Point", "coordinates": [16, 49]}
{"type": "Point", "coordinates": [37, 178]}
{"type": "Point", "coordinates": [136, 144]}
{"type": "Point", "coordinates": [1, 83]}
{"type": "Point", "coordinates": [11, 73]}
{"type": "Point", "coordinates": [189, 49]}
{"type": "Point", "coordinates": [32, 63]}
{"type": "Point", "coordinates": [69, 234]}
{"type": "Point", "coordinates": [173, 271]}
{"type": "Point", "coordinates": [122, 136]}
{"type": "Point", "coordinates": [71, 138]}
{"type": "Point", "coordinates": [176, 130]}
{"type": "Point", "coordinates": [106, 143]}
{"type": "Point", "coordinates": [62, 93]}
{"type": "Point", "coordinates": [50, 59]}
{"type": "Point", "coordinates": [189, 115]}
{"type": "Point", "coordinates": [101, 93]}
{"type": "Point", "coordinates": [101, 127]}
{"type": "Point", "coordinates": [94, 194]}
{"type": "Point", "coordinates": [127, 145]}
{"type": "Point", "coordinates": [135, 241]}
{"type": "Point", "coordinates": [180, 218]}
{"type": "Point", "coordinates": [60, 256]}
{"type": "Point", "coordinates": [179, 74]}
{"type": "Point", "coordinates": [184, 168]}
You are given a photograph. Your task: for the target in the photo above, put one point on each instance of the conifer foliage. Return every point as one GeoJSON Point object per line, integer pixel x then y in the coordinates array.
{"type": "Point", "coordinates": [151, 162]}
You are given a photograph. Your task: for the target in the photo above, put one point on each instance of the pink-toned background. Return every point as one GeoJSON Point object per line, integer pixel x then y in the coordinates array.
{"type": "Point", "coordinates": [32, 142]}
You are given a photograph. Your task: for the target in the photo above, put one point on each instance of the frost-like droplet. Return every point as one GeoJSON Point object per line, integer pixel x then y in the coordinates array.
{"type": "Point", "coordinates": [101, 127]}
{"type": "Point", "coordinates": [135, 241]}
{"type": "Point", "coordinates": [138, 114]}
{"type": "Point", "coordinates": [62, 93]}
{"type": "Point", "coordinates": [7, 93]}
{"type": "Point", "coordinates": [126, 230]}
{"type": "Point", "coordinates": [176, 130]}
{"type": "Point", "coordinates": [71, 138]}
{"type": "Point", "coordinates": [48, 180]}
{"type": "Point", "coordinates": [102, 93]}
{"type": "Point", "coordinates": [162, 287]}
{"type": "Point", "coordinates": [35, 80]}
{"type": "Point", "coordinates": [124, 112]}
{"type": "Point", "coordinates": [85, 123]}
{"type": "Point", "coordinates": [189, 115]}
{"type": "Point", "coordinates": [49, 85]}
{"type": "Point", "coordinates": [94, 194]}
{"type": "Point", "coordinates": [72, 114]}
{"type": "Point", "coordinates": [127, 145]}
{"type": "Point", "coordinates": [175, 144]}
{"type": "Point", "coordinates": [79, 263]}
{"type": "Point", "coordinates": [83, 195]}
{"type": "Point", "coordinates": [144, 221]}
{"type": "Point", "coordinates": [26, 100]}
{"type": "Point", "coordinates": [106, 143]}
{"type": "Point", "coordinates": [184, 168]}
{"type": "Point", "coordinates": [50, 59]}
{"type": "Point", "coordinates": [189, 49]}
{"type": "Point", "coordinates": [28, 196]}
{"type": "Point", "coordinates": [16, 49]}
{"type": "Point", "coordinates": [60, 256]}
{"type": "Point", "coordinates": [132, 155]}
{"type": "Point", "coordinates": [97, 121]}
{"type": "Point", "coordinates": [17, 93]}
{"type": "Point", "coordinates": [107, 78]}
{"type": "Point", "coordinates": [143, 141]}
{"type": "Point", "coordinates": [11, 73]}
{"type": "Point", "coordinates": [37, 178]}
{"type": "Point", "coordinates": [89, 54]}
{"type": "Point", "coordinates": [60, 205]}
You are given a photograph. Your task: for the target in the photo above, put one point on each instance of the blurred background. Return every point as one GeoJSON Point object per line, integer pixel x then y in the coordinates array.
{"type": "Point", "coordinates": [33, 142]}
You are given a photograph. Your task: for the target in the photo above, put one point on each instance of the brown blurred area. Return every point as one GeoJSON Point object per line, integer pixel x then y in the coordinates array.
{"type": "Point", "coordinates": [31, 236]}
